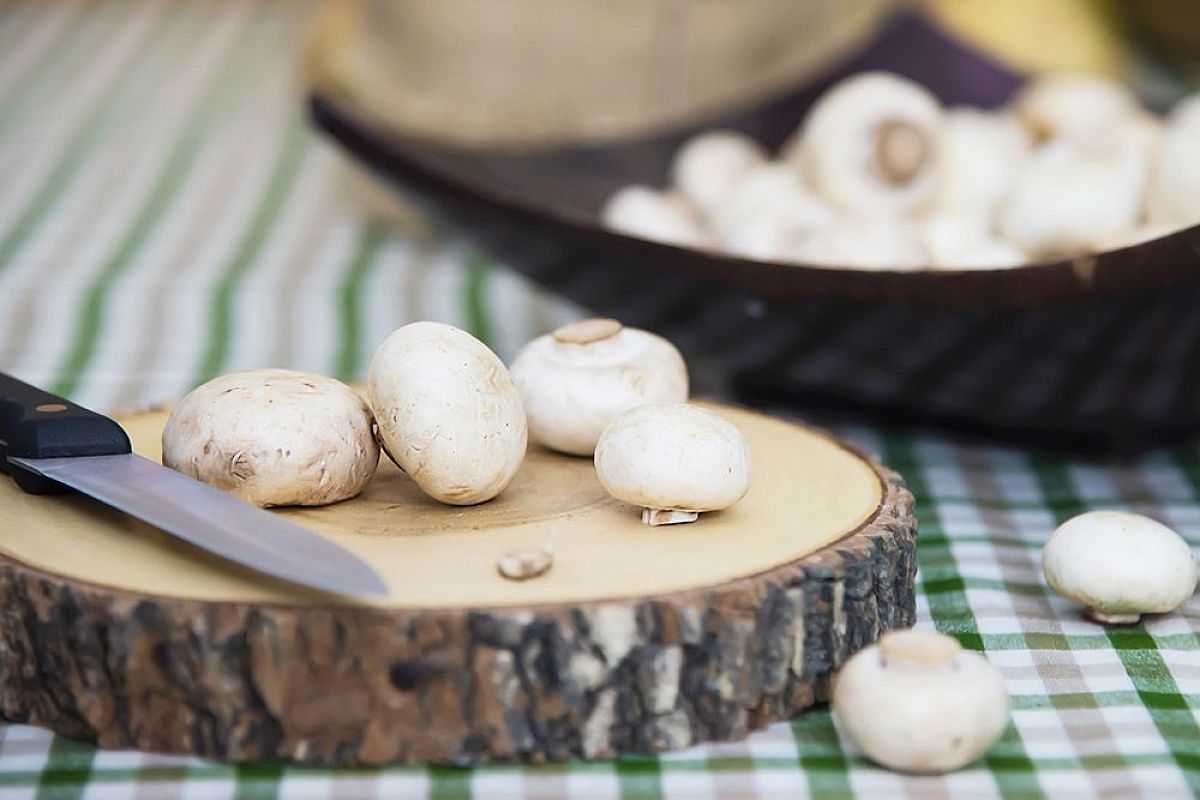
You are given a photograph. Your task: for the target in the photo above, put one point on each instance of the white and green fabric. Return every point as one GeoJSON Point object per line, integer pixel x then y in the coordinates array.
{"type": "Point", "coordinates": [165, 215]}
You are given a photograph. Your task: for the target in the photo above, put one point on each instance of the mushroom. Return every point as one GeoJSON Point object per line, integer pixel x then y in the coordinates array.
{"type": "Point", "coordinates": [1066, 199]}
{"type": "Point", "coordinates": [1119, 565]}
{"type": "Point", "coordinates": [962, 239]}
{"type": "Point", "coordinates": [767, 211]}
{"type": "Point", "coordinates": [708, 166]}
{"type": "Point", "coordinates": [658, 216]}
{"type": "Point", "coordinates": [576, 380]}
{"type": "Point", "coordinates": [981, 152]}
{"type": "Point", "coordinates": [447, 412]}
{"type": "Point", "coordinates": [872, 144]}
{"type": "Point", "coordinates": [674, 461]}
{"type": "Point", "coordinates": [274, 437]}
{"type": "Point", "coordinates": [864, 244]}
{"type": "Point", "coordinates": [1186, 112]}
{"type": "Point", "coordinates": [917, 702]}
{"type": "Point", "coordinates": [1073, 106]}
{"type": "Point", "coordinates": [1173, 194]}
{"type": "Point", "coordinates": [1146, 232]}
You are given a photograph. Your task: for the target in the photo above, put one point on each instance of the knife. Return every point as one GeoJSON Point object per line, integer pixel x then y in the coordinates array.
{"type": "Point", "coordinates": [50, 445]}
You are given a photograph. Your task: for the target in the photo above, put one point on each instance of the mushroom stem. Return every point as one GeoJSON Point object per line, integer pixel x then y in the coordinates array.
{"type": "Point", "coordinates": [1114, 618]}
{"type": "Point", "coordinates": [587, 331]}
{"type": "Point", "coordinates": [668, 516]}
{"type": "Point", "coordinates": [900, 151]}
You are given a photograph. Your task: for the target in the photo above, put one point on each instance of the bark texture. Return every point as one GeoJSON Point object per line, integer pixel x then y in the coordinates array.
{"type": "Point", "coordinates": [347, 686]}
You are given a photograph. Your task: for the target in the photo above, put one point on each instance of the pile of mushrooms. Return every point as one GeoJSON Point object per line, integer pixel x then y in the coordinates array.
{"type": "Point", "coordinates": [881, 176]}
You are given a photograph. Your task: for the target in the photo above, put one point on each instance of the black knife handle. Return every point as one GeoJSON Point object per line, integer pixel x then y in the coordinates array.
{"type": "Point", "coordinates": [37, 424]}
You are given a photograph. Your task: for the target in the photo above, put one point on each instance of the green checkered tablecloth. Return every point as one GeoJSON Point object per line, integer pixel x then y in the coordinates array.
{"type": "Point", "coordinates": [165, 215]}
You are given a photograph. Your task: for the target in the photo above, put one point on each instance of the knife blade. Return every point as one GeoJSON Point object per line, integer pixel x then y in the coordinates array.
{"type": "Point", "coordinates": [51, 445]}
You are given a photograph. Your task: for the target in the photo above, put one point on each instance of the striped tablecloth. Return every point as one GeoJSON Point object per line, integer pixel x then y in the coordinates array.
{"type": "Point", "coordinates": [165, 215]}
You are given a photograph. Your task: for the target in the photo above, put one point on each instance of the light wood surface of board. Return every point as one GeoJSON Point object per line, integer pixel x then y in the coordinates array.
{"type": "Point", "coordinates": [807, 491]}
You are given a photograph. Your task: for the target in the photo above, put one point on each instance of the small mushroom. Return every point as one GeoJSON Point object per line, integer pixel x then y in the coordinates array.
{"type": "Point", "coordinates": [1066, 199]}
{"type": "Point", "coordinates": [576, 380]}
{"type": "Point", "coordinates": [1119, 565]}
{"type": "Point", "coordinates": [274, 437]}
{"type": "Point", "coordinates": [710, 164]}
{"type": "Point", "coordinates": [447, 412]}
{"type": "Point", "coordinates": [1186, 112]}
{"type": "Point", "coordinates": [1173, 194]}
{"type": "Point", "coordinates": [658, 216]}
{"type": "Point", "coordinates": [917, 702]}
{"type": "Point", "coordinates": [882, 243]}
{"type": "Point", "coordinates": [872, 144]}
{"type": "Point", "coordinates": [767, 212]}
{"type": "Point", "coordinates": [962, 239]}
{"type": "Point", "coordinates": [674, 461]}
{"type": "Point", "coordinates": [1073, 106]}
{"type": "Point", "coordinates": [981, 152]}
{"type": "Point", "coordinates": [1146, 232]}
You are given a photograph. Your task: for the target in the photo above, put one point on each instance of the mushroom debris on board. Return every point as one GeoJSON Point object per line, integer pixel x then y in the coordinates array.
{"type": "Point", "coordinates": [879, 173]}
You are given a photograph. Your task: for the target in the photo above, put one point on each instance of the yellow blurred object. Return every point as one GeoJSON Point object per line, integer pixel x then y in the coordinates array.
{"type": "Point", "coordinates": [1039, 35]}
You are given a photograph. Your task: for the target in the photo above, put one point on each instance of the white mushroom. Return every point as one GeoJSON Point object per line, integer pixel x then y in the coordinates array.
{"type": "Point", "coordinates": [1173, 196]}
{"type": "Point", "coordinates": [658, 216]}
{"type": "Point", "coordinates": [872, 144]}
{"type": "Point", "coordinates": [447, 411]}
{"type": "Point", "coordinates": [674, 461]}
{"type": "Point", "coordinates": [708, 166]}
{"type": "Point", "coordinates": [962, 239]}
{"type": "Point", "coordinates": [981, 152]}
{"type": "Point", "coordinates": [1073, 106]}
{"type": "Point", "coordinates": [274, 437]}
{"type": "Point", "coordinates": [770, 190]}
{"type": "Point", "coordinates": [1067, 199]}
{"type": "Point", "coordinates": [1119, 565]}
{"type": "Point", "coordinates": [767, 213]}
{"type": "Point", "coordinates": [1146, 232]}
{"type": "Point", "coordinates": [1186, 112]}
{"type": "Point", "coordinates": [917, 702]}
{"type": "Point", "coordinates": [577, 380]}
{"type": "Point", "coordinates": [858, 243]}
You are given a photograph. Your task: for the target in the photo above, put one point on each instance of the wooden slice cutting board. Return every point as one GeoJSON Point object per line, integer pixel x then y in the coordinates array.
{"type": "Point", "coordinates": [638, 639]}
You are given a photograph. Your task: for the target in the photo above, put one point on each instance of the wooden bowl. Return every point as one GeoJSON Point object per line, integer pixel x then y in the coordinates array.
{"type": "Point", "coordinates": [1096, 353]}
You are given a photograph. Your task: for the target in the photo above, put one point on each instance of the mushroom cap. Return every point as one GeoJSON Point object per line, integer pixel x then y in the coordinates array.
{"type": "Point", "coordinates": [673, 456]}
{"type": "Point", "coordinates": [770, 196]}
{"type": "Point", "coordinates": [1072, 105]}
{"type": "Point", "coordinates": [1119, 563]}
{"type": "Point", "coordinates": [658, 216]}
{"type": "Point", "coordinates": [883, 243]}
{"type": "Point", "coordinates": [1173, 194]}
{"type": "Point", "coordinates": [917, 702]}
{"type": "Point", "coordinates": [962, 239]}
{"type": "Point", "coordinates": [1067, 199]}
{"type": "Point", "coordinates": [577, 380]}
{"type": "Point", "coordinates": [274, 437]}
{"type": "Point", "coordinates": [981, 152]}
{"type": "Point", "coordinates": [709, 164]}
{"type": "Point", "coordinates": [447, 412]}
{"type": "Point", "coordinates": [872, 144]}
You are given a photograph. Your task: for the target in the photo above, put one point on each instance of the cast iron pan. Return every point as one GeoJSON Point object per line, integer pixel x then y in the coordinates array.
{"type": "Point", "coordinates": [1097, 353]}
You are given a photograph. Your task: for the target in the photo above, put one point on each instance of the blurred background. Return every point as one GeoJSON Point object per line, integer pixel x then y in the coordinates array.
{"type": "Point", "coordinates": [169, 213]}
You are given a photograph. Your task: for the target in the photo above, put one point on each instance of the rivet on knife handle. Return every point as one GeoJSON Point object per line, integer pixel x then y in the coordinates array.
{"type": "Point", "coordinates": [38, 424]}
